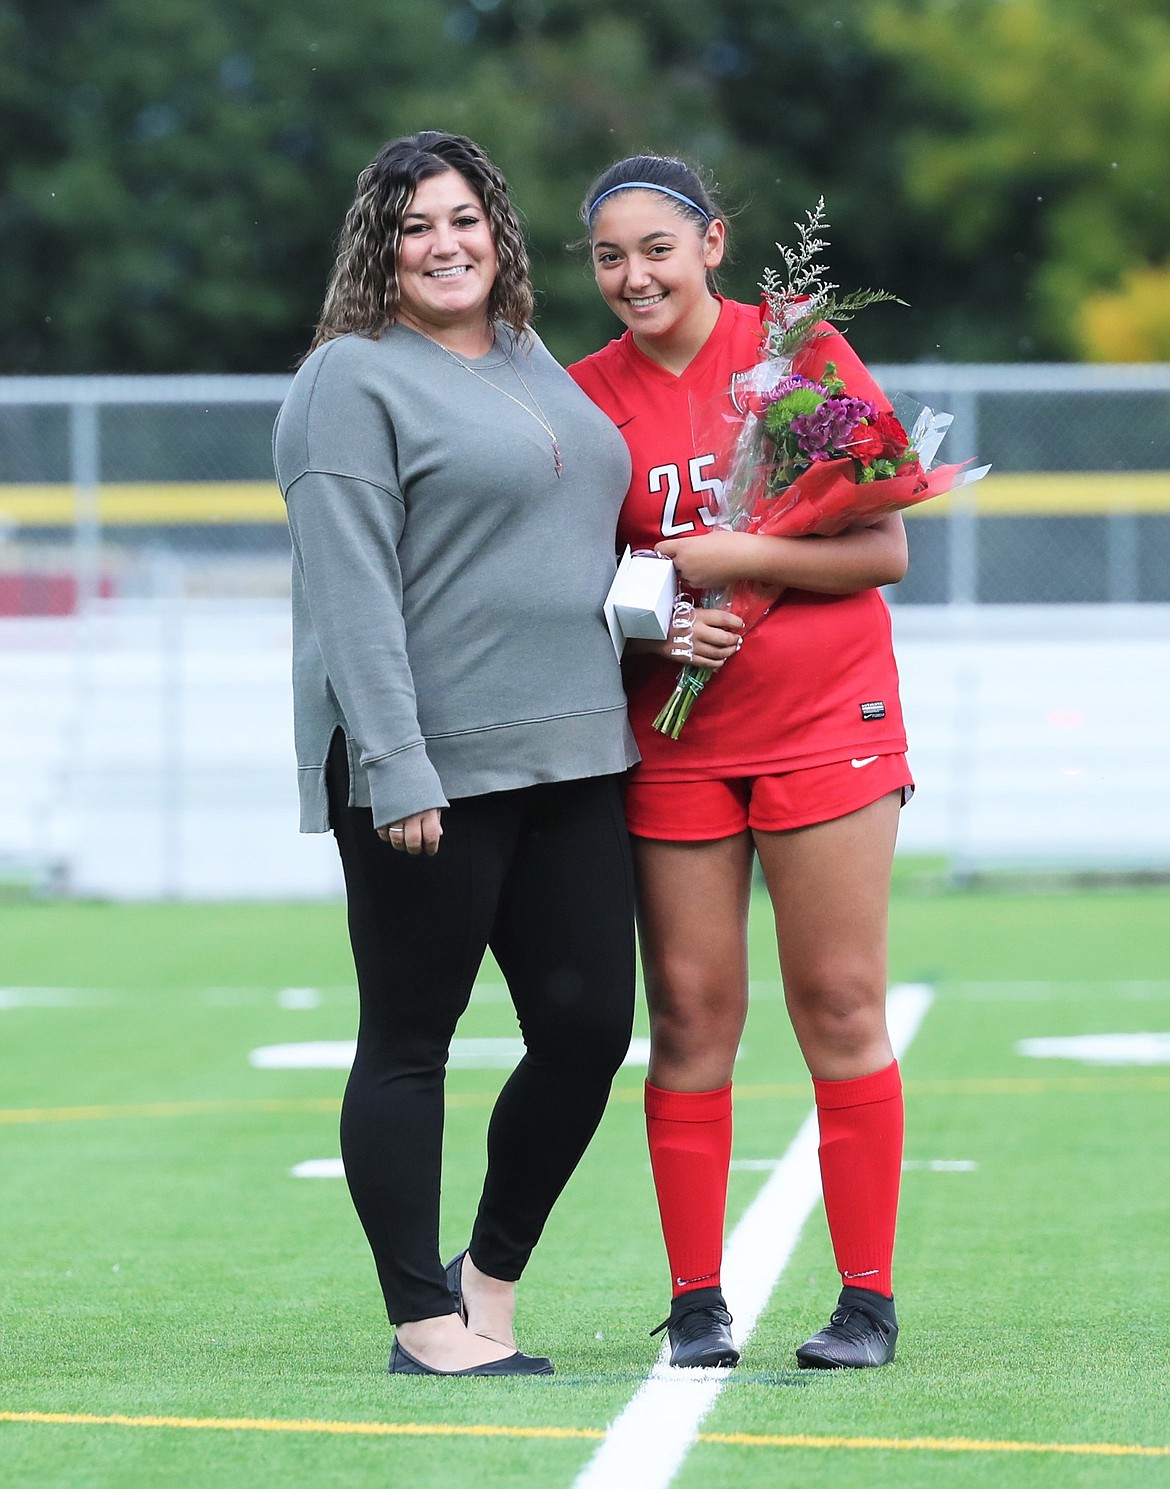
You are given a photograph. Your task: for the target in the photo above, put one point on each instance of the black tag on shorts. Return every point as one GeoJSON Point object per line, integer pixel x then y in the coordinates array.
{"type": "Point", "coordinates": [876, 710]}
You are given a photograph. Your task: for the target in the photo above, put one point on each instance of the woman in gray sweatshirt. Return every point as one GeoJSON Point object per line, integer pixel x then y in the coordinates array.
{"type": "Point", "coordinates": [460, 721]}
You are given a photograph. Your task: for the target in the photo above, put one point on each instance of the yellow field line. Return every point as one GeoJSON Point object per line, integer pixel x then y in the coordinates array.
{"type": "Point", "coordinates": [147, 503]}
{"type": "Point", "coordinates": [1059, 494]}
{"type": "Point", "coordinates": [1009, 1085]}
{"type": "Point", "coordinates": [153, 503]}
{"type": "Point", "coordinates": [937, 1445]}
{"type": "Point", "coordinates": [587, 1434]}
{"type": "Point", "coordinates": [274, 1424]}
{"type": "Point", "coordinates": [1077, 1085]}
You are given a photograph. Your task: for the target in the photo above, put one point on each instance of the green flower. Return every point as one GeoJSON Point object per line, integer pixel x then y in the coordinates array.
{"type": "Point", "coordinates": [800, 401]}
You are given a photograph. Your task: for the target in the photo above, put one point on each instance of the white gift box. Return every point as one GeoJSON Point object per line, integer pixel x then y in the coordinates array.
{"type": "Point", "coordinates": [641, 598]}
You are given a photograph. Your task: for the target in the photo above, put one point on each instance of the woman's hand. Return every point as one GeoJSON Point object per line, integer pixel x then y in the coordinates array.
{"type": "Point", "coordinates": [417, 834]}
{"type": "Point", "coordinates": [702, 638]}
{"type": "Point", "coordinates": [698, 638]}
{"type": "Point", "coordinates": [715, 636]}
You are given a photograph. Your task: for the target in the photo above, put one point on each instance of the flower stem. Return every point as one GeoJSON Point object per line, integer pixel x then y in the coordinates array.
{"type": "Point", "coordinates": [677, 708]}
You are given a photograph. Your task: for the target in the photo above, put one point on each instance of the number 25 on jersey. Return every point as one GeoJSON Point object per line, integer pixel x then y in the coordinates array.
{"type": "Point", "coordinates": [666, 481]}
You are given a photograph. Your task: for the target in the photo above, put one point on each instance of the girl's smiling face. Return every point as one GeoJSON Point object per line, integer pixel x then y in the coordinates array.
{"type": "Point", "coordinates": [651, 264]}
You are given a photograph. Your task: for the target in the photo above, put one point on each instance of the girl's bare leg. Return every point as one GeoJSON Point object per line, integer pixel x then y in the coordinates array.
{"type": "Point", "coordinates": [830, 891]}
{"type": "Point", "coordinates": [692, 922]}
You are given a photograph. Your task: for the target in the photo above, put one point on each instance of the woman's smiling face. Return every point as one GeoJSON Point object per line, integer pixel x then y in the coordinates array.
{"type": "Point", "coordinates": [447, 262]}
{"type": "Point", "coordinates": [651, 262]}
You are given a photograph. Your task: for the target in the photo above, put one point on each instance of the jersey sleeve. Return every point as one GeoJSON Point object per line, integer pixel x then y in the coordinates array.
{"type": "Point", "coordinates": [599, 377]}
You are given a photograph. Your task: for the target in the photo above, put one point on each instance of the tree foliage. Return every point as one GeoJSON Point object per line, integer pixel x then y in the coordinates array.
{"type": "Point", "coordinates": [1131, 323]}
{"type": "Point", "coordinates": [175, 171]}
{"type": "Point", "coordinates": [1044, 159]}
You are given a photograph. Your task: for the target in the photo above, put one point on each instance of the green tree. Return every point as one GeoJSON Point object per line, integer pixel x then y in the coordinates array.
{"type": "Point", "coordinates": [192, 166]}
{"type": "Point", "coordinates": [1043, 154]}
{"type": "Point", "coordinates": [173, 173]}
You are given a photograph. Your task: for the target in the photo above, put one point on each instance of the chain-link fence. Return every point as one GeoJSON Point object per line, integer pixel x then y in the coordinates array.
{"type": "Point", "coordinates": [1077, 509]}
{"type": "Point", "coordinates": [144, 583]}
{"type": "Point", "coordinates": [99, 476]}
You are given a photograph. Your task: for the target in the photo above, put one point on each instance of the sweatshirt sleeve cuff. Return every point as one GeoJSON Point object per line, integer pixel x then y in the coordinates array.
{"type": "Point", "coordinates": [402, 784]}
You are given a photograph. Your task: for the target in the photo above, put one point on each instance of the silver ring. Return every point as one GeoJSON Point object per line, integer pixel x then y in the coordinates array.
{"type": "Point", "coordinates": [400, 831]}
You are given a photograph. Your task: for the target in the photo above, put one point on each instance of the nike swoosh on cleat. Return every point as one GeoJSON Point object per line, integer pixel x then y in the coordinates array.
{"type": "Point", "coordinates": [869, 759]}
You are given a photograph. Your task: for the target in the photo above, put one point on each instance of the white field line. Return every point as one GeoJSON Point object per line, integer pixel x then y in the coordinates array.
{"type": "Point", "coordinates": [645, 1447]}
{"type": "Point", "coordinates": [465, 1054]}
{"type": "Point", "coordinates": [53, 997]}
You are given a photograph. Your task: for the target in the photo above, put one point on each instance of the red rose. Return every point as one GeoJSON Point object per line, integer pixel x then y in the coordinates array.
{"type": "Point", "coordinates": [864, 442]}
{"type": "Point", "coordinates": [894, 438]}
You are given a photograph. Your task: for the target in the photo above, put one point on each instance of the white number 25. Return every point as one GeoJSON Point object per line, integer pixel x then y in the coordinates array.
{"type": "Point", "coordinates": [666, 478]}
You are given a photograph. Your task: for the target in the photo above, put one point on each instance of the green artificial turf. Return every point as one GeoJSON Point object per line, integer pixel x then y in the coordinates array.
{"type": "Point", "coordinates": [159, 1260]}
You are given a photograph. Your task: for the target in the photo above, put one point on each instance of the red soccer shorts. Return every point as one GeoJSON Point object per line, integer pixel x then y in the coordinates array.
{"type": "Point", "coordinates": [696, 811]}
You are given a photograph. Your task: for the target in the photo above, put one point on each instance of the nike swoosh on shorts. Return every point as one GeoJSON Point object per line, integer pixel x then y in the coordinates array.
{"type": "Point", "coordinates": [869, 759]}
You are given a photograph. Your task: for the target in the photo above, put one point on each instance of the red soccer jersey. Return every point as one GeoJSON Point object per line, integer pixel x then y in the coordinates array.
{"type": "Point", "coordinates": [815, 681]}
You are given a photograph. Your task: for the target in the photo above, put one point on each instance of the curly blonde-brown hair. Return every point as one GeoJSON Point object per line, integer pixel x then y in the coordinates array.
{"type": "Point", "coordinates": [362, 296]}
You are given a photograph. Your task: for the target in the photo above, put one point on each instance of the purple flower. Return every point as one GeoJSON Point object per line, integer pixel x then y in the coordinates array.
{"type": "Point", "coordinates": [785, 386]}
{"type": "Point", "coordinates": [821, 434]}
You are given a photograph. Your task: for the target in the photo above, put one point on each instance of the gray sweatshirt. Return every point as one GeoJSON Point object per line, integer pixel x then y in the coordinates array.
{"type": "Point", "coordinates": [447, 586]}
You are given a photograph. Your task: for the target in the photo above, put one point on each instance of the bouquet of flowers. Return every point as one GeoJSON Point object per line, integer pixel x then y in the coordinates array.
{"type": "Point", "coordinates": [808, 457]}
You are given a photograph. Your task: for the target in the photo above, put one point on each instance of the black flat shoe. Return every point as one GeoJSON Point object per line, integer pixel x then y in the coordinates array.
{"type": "Point", "coordinates": [699, 1328]}
{"type": "Point", "coordinates": [862, 1333]}
{"type": "Point", "coordinates": [454, 1271]}
{"type": "Point", "coordinates": [404, 1363]}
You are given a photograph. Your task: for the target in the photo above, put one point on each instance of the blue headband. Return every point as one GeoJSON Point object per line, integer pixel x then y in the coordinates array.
{"type": "Point", "coordinates": [649, 186]}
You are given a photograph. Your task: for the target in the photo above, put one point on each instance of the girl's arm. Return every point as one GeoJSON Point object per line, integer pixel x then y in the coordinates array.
{"type": "Point", "coordinates": [860, 558]}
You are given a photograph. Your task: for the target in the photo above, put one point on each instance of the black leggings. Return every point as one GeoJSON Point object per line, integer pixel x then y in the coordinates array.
{"type": "Point", "coordinates": [541, 875]}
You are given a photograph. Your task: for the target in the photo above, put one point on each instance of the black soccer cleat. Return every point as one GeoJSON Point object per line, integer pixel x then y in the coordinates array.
{"type": "Point", "coordinates": [699, 1328]}
{"type": "Point", "coordinates": [861, 1333]}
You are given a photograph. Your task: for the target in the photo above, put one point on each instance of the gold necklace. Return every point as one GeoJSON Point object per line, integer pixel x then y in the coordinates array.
{"type": "Point", "coordinates": [537, 413]}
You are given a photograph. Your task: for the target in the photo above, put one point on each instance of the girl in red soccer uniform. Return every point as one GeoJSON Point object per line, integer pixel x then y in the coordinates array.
{"type": "Point", "coordinates": [795, 753]}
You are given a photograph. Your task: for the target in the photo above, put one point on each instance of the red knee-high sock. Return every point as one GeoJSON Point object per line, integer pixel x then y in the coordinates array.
{"type": "Point", "coordinates": [689, 1133]}
{"type": "Point", "coordinates": [861, 1123]}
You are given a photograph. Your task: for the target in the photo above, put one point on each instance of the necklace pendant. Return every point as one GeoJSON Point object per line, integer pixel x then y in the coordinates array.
{"type": "Point", "coordinates": [558, 460]}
